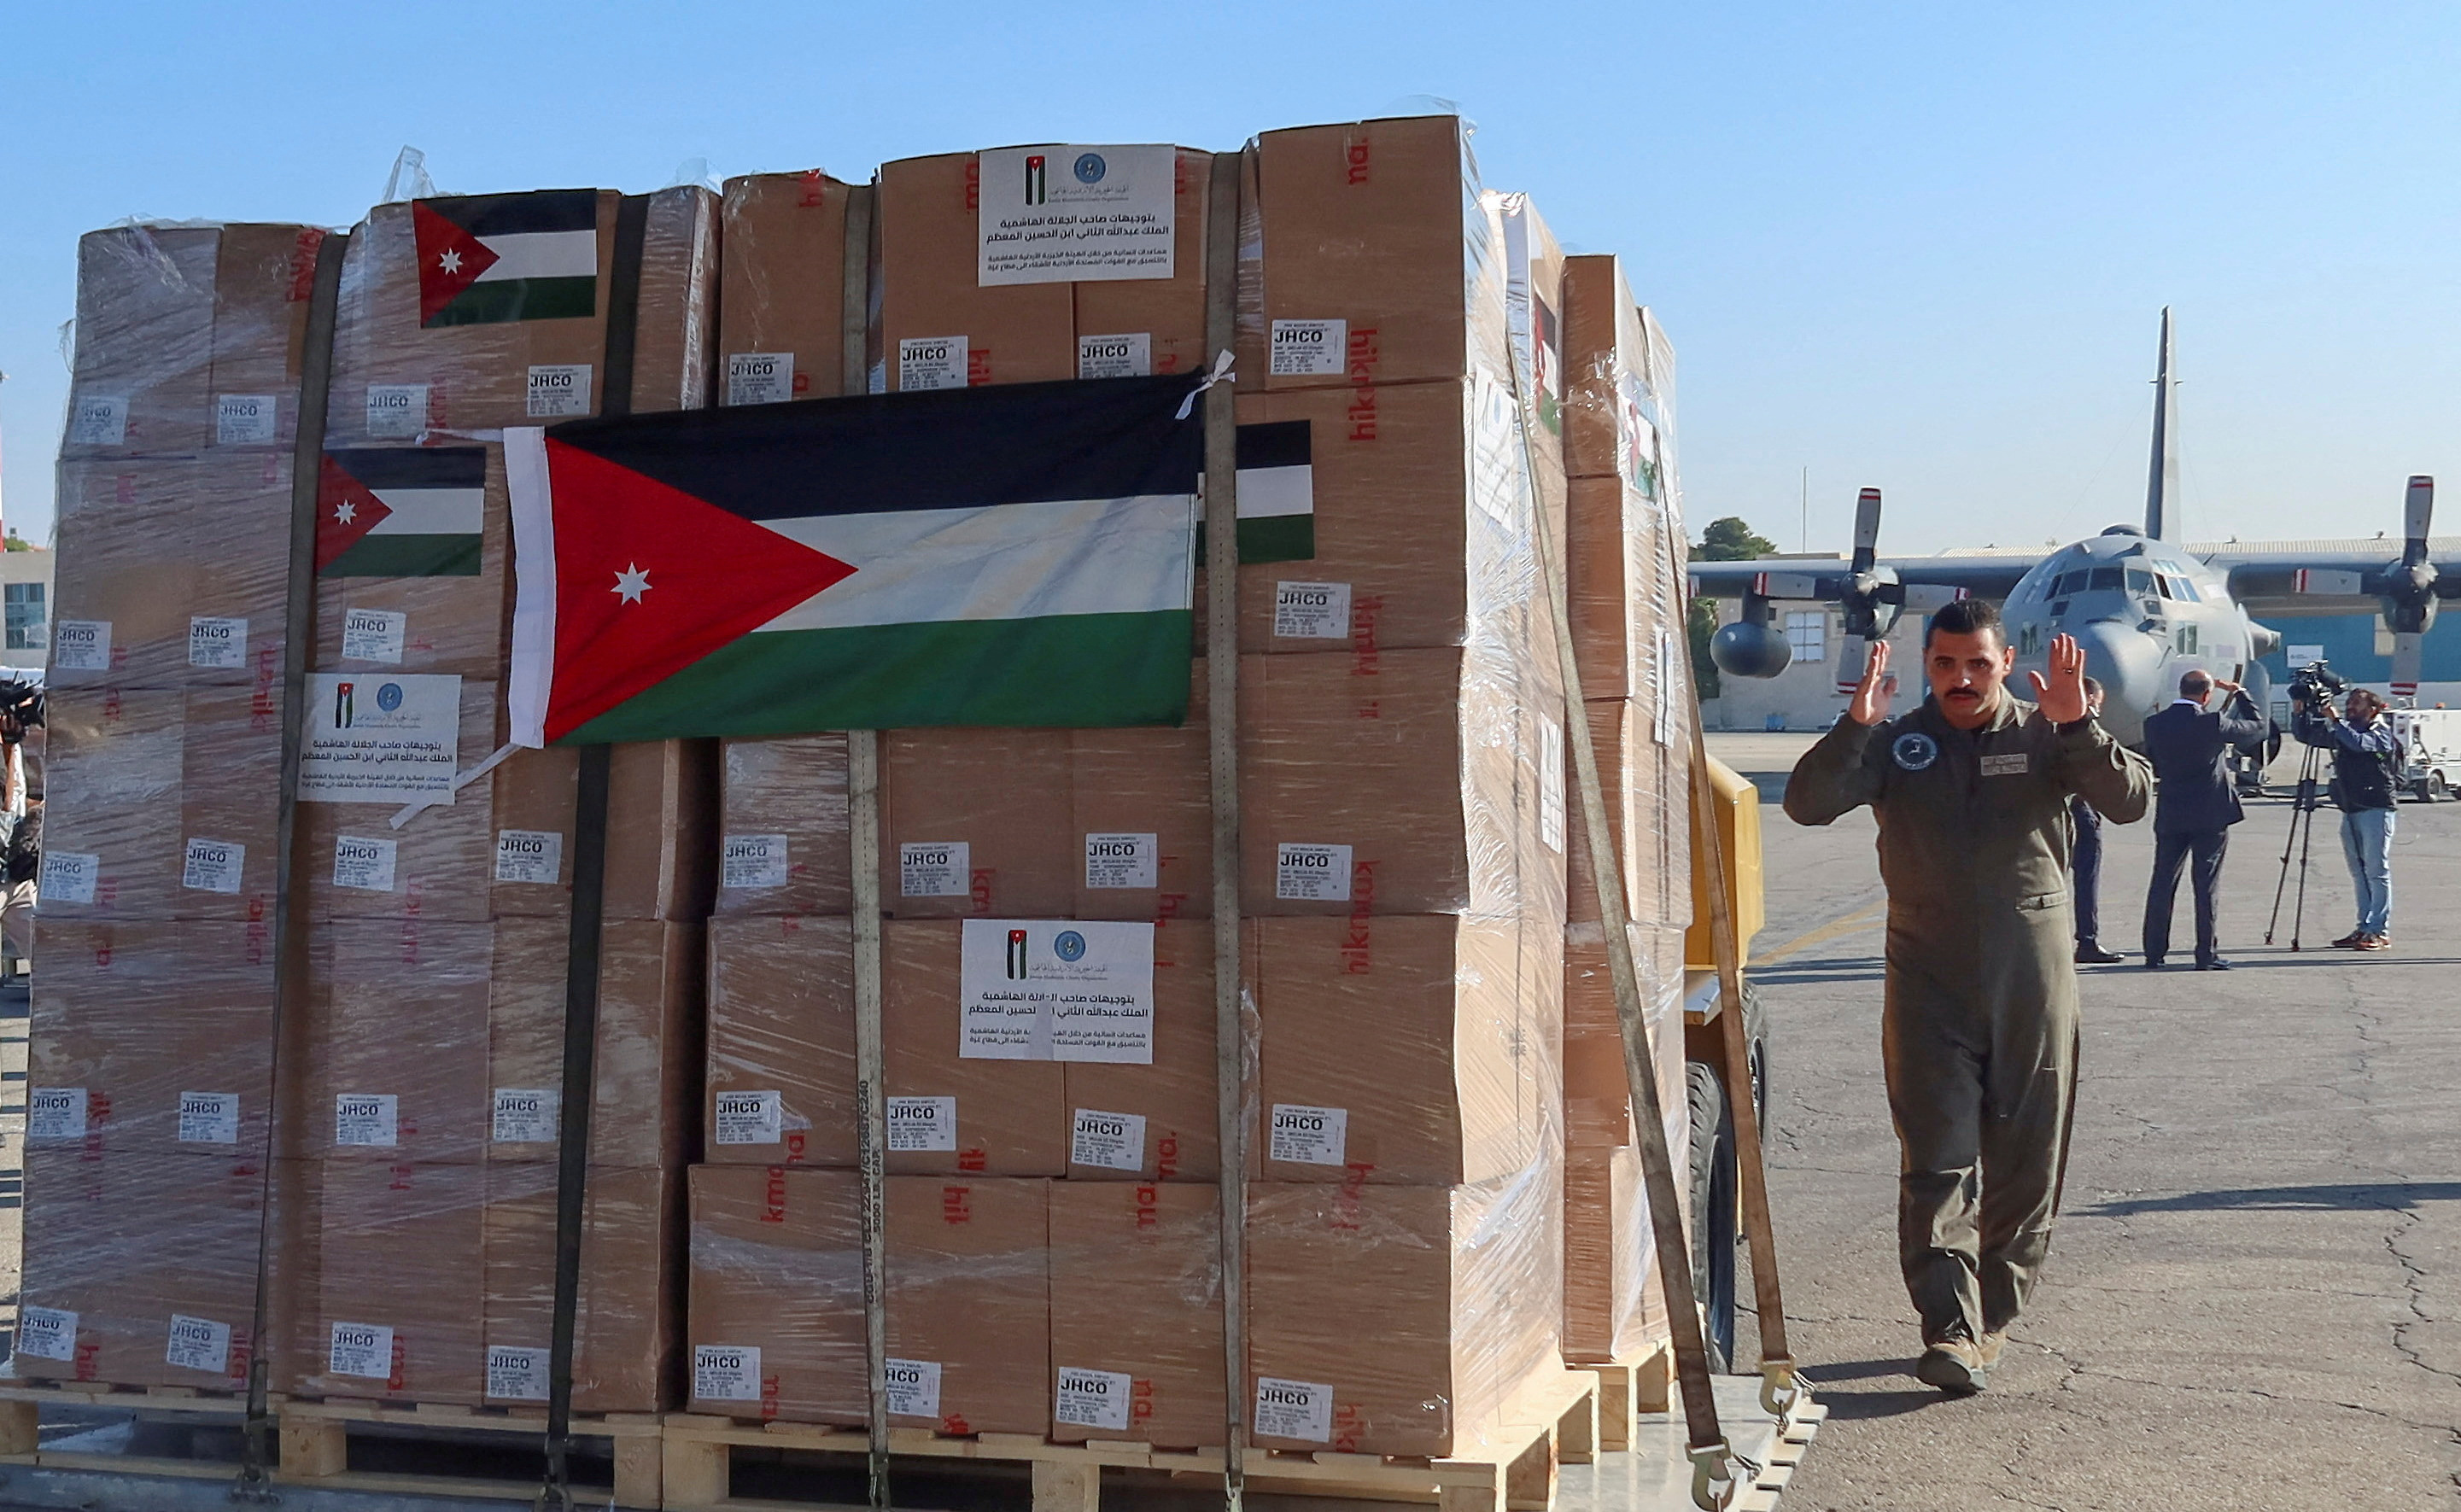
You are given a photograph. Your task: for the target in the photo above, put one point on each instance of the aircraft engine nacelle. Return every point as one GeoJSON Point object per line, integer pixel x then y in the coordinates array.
{"type": "Point", "coordinates": [1750, 648]}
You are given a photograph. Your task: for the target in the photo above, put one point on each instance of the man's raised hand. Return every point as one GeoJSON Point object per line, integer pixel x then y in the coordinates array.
{"type": "Point", "coordinates": [2062, 698]}
{"type": "Point", "coordinates": [1871, 702]}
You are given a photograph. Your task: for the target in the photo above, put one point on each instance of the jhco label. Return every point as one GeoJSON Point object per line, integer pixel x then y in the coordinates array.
{"type": "Point", "coordinates": [1305, 349]}
{"type": "Point", "coordinates": [1301, 1409]}
{"type": "Point", "coordinates": [931, 362]}
{"type": "Point", "coordinates": [213, 865]}
{"type": "Point", "coordinates": [526, 1116]}
{"type": "Point", "coordinates": [47, 1334]}
{"type": "Point", "coordinates": [752, 862]}
{"type": "Point", "coordinates": [922, 1123]}
{"type": "Point", "coordinates": [1312, 611]}
{"type": "Point", "coordinates": [69, 877]}
{"type": "Point", "coordinates": [1122, 861]}
{"type": "Point", "coordinates": [1125, 356]}
{"type": "Point", "coordinates": [749, 1118]}
{"type": "Point", "coordinates": [934, 868]}
{"type": "Point", "coordinates": [1312, 873]}
{"type": "Point", "coordinates": [55, 1113]}
{"type": "Point", "coordinates": [364, 864]}
{"type": "Point", "coordinates": [1092, 1398]}
{"type": "Point", "coordinates": [1306, 1136]}
{"type": "Point", "coordinates": [529, 855]}
{"type": "Point", "coordinates": [727, 1373]}
{"type": "Point", "coordinates": [1110, 1141]}
{"type": "Point", "coordinates": [374, 635]}
{"type": "Point", "coordinates": [217, 642]}
{"type": "Point", "coordinates": [559, 390]}
{"type": "Point", "coordinates": [759, 378]}
{"type": "Point", "coordinates": [913, 1387]}
{"type": "Point", "coordinates": [198, 1344]}
{"type": "Point", "coordinates": [209, 1117]}
{"type": "Point", "coordinates": [362, 1118]}
{"type": "Point", "coordinates": [396, 409]}
{"type": "Point", "coordinates": [517, 1373]}
{"type": "Point", "coordinates": [362, 1350]}
{"type": "Point", "coordinates": [245, 419]}
{"type": "Point", "coordinates": [81, 645]}
{"type": "Point", "coordinates": [99, 420]}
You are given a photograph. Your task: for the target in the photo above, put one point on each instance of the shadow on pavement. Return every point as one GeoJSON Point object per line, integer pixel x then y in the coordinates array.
{"type": "Point", "coordinates": [2382, 1196]}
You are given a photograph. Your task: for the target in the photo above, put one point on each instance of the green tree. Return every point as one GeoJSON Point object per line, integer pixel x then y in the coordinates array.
{"type": "Point", "coordinates": [16, 542]}
{"type": "Point", "coordinates": [1725, 539]}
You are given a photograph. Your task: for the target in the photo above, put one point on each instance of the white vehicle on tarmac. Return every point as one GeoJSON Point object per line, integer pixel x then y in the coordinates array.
{"type": "Point", "coordinates": [2430, 748]}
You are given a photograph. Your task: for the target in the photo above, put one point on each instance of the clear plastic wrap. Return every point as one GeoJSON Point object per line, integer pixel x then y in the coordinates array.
{"type": "Point", "coordinates": [782, 827]}
{"type": "Point", "coordinates": [782, 310]}
{"type": "Point", "coordinates": [662, 798]}
{"type": "Point", "coordinates": [976, 821]}
{"type": "Point", "coordinates": [441, 861]}
{"type": "Point", "coordinates": [1136, 1312]}
{"type": "Point", "coordinates": [1144, 801]}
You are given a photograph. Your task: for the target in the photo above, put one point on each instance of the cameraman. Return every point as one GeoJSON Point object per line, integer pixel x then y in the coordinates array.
{"type": "Point", "coordinates": [2366, 761]}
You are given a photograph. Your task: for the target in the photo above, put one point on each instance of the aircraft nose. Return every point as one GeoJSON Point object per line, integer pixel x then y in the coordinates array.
{"type": "Point", "coordinates": [2126, 662]}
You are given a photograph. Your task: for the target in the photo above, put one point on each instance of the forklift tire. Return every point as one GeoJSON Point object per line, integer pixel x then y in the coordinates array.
{"type": "Point", "coordinates": [1714, 1209]}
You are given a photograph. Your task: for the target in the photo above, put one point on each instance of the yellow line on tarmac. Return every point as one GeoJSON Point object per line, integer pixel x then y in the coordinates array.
{"type": "Point", "coordinates": [1852, 924]}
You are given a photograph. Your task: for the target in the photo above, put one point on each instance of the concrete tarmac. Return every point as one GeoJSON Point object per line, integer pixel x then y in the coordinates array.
{"type": "Point", "coordinates": [2254, 1297]}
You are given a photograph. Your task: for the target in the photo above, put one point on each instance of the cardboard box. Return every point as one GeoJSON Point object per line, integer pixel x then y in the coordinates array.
{"type": "Point", "coordinates": [976, 821]}
{"type": "Point", "coordinates": [1621, 738]}
{"type": "Point", "coordinates": [1418, 1311]}
{"type": "Point", "coordinates": [776, 1318]}
{"type": "Point", "coordinates": [783, 826]}
{"type": "Point", "coordinates": [645, 1110]}
{"type": "Point", "coordinates": [628, 1319]}
{"type": "Point", "coordinates": [393, 1044]}
{"type": "Point", "coordinates": [1609, 1253]}
{"type": "Point", "coordinates": [1378, 225]}
{"type": "Point", "coordinates": [1170, 312]}
{"type": "Point", "coordinates": [782, 288]}
{"type": "Point", "coordinates": [459, 624]}
{"type": "Point", "coordinates": [662, 801]}
{"type": "Point", "coordinates": [1402, 1050]}
{"type": "Point", "coordinates": [402, 1283]}
{"type": "Point", "coordinates": [1589, 995]}
{"type": "Point", "coordinates": [1011, 1116]}
{"type": "Point", "coordinates": [1175, 1096]}
{"type": "Point", "coordinates": [159, 555]}
{"type": "Point", "coordinates": [161, 1033]}
{"type": "Point", "coordinates": [1136, 1292]}
{"type": "Point", "coordinates": [444, 857]}
{"type": "Point", "coordinates": [929, 288]}
{"type": "Point", "coordinates": [1144, 801]}
{"type": "Point", "coordinates": [122, 1242]}
{"type": "Point", "coordinates": [1606, 362]}
{"type": "Point", "coordinates": [1410, 781]}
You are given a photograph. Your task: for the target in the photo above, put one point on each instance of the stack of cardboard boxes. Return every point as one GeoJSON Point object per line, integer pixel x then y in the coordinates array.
{"type": "Point", "coordinates": [424, 1068]}
{"type": "Point", "coordinates": [1630, 644]}
{"type": "Point", "coordinates": [151, 1047]}
{"type": "Point", "coordinates": [1053, 1247]}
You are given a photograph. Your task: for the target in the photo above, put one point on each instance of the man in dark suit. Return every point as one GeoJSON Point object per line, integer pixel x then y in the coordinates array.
{"type": "Point", "coordinates": [2189, 747]}
{"type": "Point", "coordinates": [2085, 865]}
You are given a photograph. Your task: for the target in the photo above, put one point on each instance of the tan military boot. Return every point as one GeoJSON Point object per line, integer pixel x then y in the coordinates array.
{"type": "Point", "coordinates": [1956, 1366]}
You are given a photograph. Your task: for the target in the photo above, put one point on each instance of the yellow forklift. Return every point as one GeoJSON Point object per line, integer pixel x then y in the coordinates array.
{"type": "Point", "coordinates": [1715, 1192]}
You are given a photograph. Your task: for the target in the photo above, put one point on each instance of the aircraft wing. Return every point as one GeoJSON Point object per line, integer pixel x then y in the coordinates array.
{"type": "Point", "coordinates": [1824, 578]}
{"type": "Point", "coordinates": [2294, 581]}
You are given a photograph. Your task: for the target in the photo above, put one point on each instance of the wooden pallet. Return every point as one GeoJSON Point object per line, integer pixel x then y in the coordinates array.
{"type": "Point", "coordinates": [314, 1437]}
{"type": "Point", "coordinates": [1552, 1421]}
{"type": "Point", "coordinates": [1628, 1389]}
{"type": "Point", "coordinates": [1786, 1453]}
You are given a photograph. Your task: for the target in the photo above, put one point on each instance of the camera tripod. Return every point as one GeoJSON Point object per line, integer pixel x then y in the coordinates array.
{"type": "Point", "coordinates": [2304, 800]}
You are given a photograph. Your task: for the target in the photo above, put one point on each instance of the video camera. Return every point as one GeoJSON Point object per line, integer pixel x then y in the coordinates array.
{"type": "Point", "coordinates": [2316, 684]}
{"type": "Point", "coordinates": [23, 702]}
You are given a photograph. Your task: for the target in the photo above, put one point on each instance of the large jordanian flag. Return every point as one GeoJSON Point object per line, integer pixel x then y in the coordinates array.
{"type": "Point", "coordinates": [401, 512]}
{"type": "Point", "coordinates": [497, 257]}
{"type": "Point", "coordinates": [1017, 555]}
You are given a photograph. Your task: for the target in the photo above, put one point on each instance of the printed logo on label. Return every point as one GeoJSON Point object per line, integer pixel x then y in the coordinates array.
{"type": "Point", "coordinates": [213, 865]}
{"type": "Point", "coordinates": [198, 1344]}
{"type": "Point", "coordinates": [209, 1117]}
{"type": "Point", "coordinates": [364, 864]}
{"type": "Point", "coordinates": [1303, 349]}
{"type": "Point", "coordinates": [1307, 1136]}
{"type": "Point", "coordinates": [1122, 861]}
{"type": "Point", "coordinates": [518, 1373]}
{"type": "Point", "coordinates": [559, 390]}
{"type": "Point", "coordinates": [362, 1350]}
{"type": "Point", "coordinates": [1312, 611]}
{"type": "Point", "coordinates": [526, 1116]}
{"type": "Point", "coordinates": [752, 862]}
{"type": "Point", "coordinates": [374, 635]}
{"type": "Point", "coordinates": [726, 1372]}
{"type": "Point", "coordinates": [749, 1118]}
{"type": "Point", "coordinates": [47, 1334]}
{"type": "Point", "coordinates": [913, 1387]}
{"type": "Point", "coordinates": [935, 868]}
{"type": "Point", "coordinates": [55, 1113]}
{"type": "Point", "coordinates": [99, 420]}
{"type": "Point", "coordinates": [529, 855]}
{"type": "Point", "coordinates": [923, 1123]}
{"type": "Point", "coordinates": [2012, 764]}
{"type": "Point", "coordinates": [69, 877]}
{"type": "Point", "coordinates": [1915, 750]}
{"type": "Point", "coordinates": [1130, 356]}
{"type": "Point", "coordinates": [217, 642]}
{"type": "Point", "coordinates": [361, 1118]}
{"type": "Point", "coordinates": [245, 419]}
{"type": "Point", "coordinates": [1110, 1141]}
{"type": "Point", "coordinates": [1092, 1398]}
{"type": "Point", "coordinates": [1301, 1409]}
{"type": "Point", "coordinates": [396, 409]}
{"type": "Point", "coordinates": [759, 378]}
{"type": "Point", "coordinates": [932, 362]}
{"type": "Point", "coordinates": [81, 645]}
{"type": "Point", "coordinates": [1312, 873]}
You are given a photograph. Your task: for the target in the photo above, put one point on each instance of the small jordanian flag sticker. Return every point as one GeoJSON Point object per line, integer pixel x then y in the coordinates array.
{"type": "Point", "coordinates": [497, 257]}
{"type": "Point", "coordinates": [401, 512]}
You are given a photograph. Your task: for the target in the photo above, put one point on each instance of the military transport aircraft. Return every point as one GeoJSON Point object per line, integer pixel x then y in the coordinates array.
{"type": "Point", "coordinates": [2144, 606]}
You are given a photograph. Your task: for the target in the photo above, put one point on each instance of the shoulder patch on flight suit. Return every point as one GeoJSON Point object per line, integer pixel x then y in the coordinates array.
{"type": "Point", "coordinates": [2014, 763]}
{"type": "Point", "coordinates": [1915, 750]}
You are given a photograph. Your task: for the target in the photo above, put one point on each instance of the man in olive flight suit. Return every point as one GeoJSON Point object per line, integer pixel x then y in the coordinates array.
{"type": "Point", "coordinates": [1979, 1030]}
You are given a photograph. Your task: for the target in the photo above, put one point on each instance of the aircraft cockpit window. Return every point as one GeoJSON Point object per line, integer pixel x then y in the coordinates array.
{"type": "Point", "coordinates": [2185, 588]}
{"type": "Point", "coordinates": [2105, 578]}
{"type": "Point", "coordinates": [2162, 585]}
{"type": "Point", "coordinates": [2139, 581]}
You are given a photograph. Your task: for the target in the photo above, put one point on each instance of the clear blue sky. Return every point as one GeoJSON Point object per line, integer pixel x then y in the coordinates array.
{"type": "Point", "coordinates": [1921, 246]}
